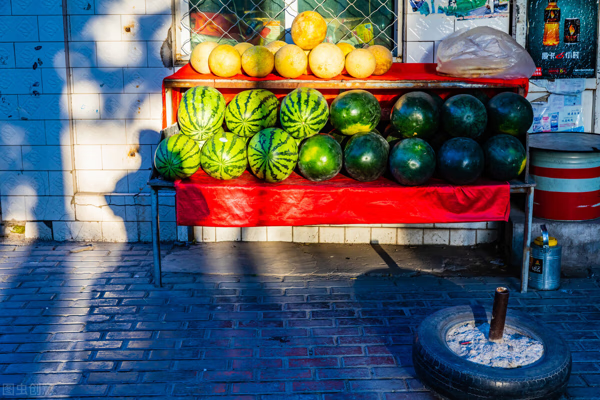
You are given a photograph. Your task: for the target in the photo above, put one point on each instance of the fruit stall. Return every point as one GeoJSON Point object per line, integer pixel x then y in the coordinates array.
{"type": "Point", "coordinates": [316, 133]}
{"type": "Point", "coordinates": [205, 201]}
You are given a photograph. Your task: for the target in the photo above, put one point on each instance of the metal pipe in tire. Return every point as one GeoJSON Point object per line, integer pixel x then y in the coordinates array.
{"type": "Point", "coordinates": [499, 314]}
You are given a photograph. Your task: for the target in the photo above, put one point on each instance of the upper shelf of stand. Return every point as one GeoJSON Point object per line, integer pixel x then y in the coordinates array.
{"type": "Point", "coordinates": [400, 76]}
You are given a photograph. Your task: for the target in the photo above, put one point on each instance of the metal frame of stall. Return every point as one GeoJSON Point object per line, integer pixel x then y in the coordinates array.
{"type": "Point", "coordinates": [524, 186]}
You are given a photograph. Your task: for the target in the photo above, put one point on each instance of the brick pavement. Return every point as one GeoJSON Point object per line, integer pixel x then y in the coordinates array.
{"type": "Point", "coordinates": [91, 324]}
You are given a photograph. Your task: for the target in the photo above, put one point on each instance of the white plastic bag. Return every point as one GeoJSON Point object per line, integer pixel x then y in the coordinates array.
{"type": "Point", "coordinates": [483, 52]}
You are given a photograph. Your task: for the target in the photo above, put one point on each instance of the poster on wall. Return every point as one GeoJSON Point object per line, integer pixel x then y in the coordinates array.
{"type": "Point", "coordinates": [562, 37]}
{"type": "Point", "coordinates": [463, 9]}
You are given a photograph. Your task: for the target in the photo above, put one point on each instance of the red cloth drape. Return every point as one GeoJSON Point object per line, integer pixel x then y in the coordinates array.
{"type": "Point", "coordinates": [248, 201]}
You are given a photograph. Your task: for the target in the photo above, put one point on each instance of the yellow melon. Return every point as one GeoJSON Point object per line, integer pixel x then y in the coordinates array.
{"type": "Point", "coordinates": [360, 63]}
{"type": "Point", "coordinates": [309, 30]}
{"type": "Point", "coordinates": [308, 71]}
{"type": "Point", "coordinates": [290, 61]}
{"type": "Point", "coordinates": [199, 57]}
{"type": "Point", "coordinates": [276, 45]}
{"type": "Point", "coordinates": [258, 61]}
{"type": "Point", "coordinates": [225, 61]}
{"type": "Point", "coordinates": [383, 59]}
{"type": "Point", "coordinates": [242, 47]}
{"type": "Point", "coordinates": [346, 48]}
{"type": "Point", "coordinates": [326, 61]}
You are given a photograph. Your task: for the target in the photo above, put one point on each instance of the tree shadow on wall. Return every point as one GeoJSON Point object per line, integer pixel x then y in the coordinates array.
{"type": "Point", "coordinates": [115, 112]}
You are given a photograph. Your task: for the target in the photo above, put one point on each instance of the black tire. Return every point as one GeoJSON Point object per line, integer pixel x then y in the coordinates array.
{"type": "Point", "coordinates": [455, 378]}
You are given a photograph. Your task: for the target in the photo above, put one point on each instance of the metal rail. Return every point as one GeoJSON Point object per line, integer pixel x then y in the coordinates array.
{"type": "Point", "coordinates": [324, 84]}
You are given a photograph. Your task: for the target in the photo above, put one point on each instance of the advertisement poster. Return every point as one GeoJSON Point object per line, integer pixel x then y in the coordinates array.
{"type": "Point", "coordinates": [562, 37]}
{"type": "Point", "coordinates": [463, 9]}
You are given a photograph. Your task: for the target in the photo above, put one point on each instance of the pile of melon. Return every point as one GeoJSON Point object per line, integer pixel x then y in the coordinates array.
{"type": "Point", "coordinates": [460, 136]}
{"type": "Point", "coordinates": [309, 55]}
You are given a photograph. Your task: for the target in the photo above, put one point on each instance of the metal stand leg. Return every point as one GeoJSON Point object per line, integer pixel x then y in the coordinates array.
{"type": "Point", "coordinates": [156, 239]}
{"type": "Point", "coordinates": [527, 240]}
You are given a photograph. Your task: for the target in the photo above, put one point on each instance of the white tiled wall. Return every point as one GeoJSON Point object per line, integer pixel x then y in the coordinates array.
{"type": "Point", "coordinates": [465, 234]}
{"type": "Point", "coordinates": [116, 69]}
{"type": "Point", "coordinates": [89, 182]}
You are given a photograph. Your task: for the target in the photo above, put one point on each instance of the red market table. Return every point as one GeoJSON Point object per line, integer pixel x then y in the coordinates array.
{"type": "Point", "coordinates": [246, 201]}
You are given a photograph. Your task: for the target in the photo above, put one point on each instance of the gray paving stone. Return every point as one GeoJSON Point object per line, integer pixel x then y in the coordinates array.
{"type": "Point", "coordinates": [31, 367]}
{"type": "Point", "coordinates": [88, 366]}
{"type": "Point", "coordinates": [66, 356]}
{"type": "Point", "coordinates": [40, 347]}
{"type": "Point", "coordinates": [78, 390]}
{"type": "Point", "coordinates": [54, 378]}
{"type": "Point", "coordinates": [92, 324]}
{"type": "Point", "coordinates": [112, 377]}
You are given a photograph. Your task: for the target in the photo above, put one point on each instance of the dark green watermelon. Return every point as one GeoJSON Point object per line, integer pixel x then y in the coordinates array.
{"type": "Point", "coordinates": [355, 111]}
{"type": "Point", "coordinates": [320, 158]}
{"type": "Point", "coordinates": [464, 116]}
{"type": "Point", "coordinates": [390, 130]}
{"type": "Point", "coordinates": [438, 139]}
{"type": "Point", "coordinates": [509, 113]}
{"type": "Point", "coordinates": [438, 99]}
{"type": "Point", "coordinates": [416, 114]}
{"type": "Point", "coordinates": [480, 94]}
{"type": "Point", "coordinates": [460, 161]}
{"type": "Point", "coordinates": [391, 135]}
{"type": "Point", "coordinates": [484, 137]}
{"type": "Point", "coordinates": [505, 157]}
{"type": "Point", "coordinates": [392, 140]}
{"type": "Point", "coordinates": [365, 156]}
{"type": "Point", "coordinates": [341, 139]}
{"type": "Point", "coordinates": [412, 162]}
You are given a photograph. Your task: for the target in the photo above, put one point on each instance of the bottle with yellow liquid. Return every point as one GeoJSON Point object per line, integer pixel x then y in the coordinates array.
{"type": "Point", "coordinates": [552, 24]}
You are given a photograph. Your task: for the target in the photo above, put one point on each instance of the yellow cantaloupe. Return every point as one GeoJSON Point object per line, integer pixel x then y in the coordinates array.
{"type": "Point", "coordinates": [326, 61]}
{"type": "Point", "coordinates": [360, 63]}
{"type": "Point", "coordinates": [225, 61]}
{"type": "Point", "coordinates": [308, 71]}
{"type": "Point", "coordinates": [199, 57]}
{"type": "Point", "coordinates": [275, 46]}
{"type": "Point", "coordinates": [346, 48]}
{"type": "Point", "coordinates": [290, 61]}
{"type": "Point", "coordinates": [258, 61]}
{"type": "Point", "coordinates": [242, 47]}
{"type": "Point", "coordinates": [309, 30]}
{"type": "Point", "coordinates": [383, 59]}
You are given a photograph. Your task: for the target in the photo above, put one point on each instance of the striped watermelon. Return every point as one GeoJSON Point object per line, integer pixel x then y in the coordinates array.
{"type": "Point", "coordinates": [304, 112]}
{"type": "Point", "coordinates": [220, 131]}
{"type": "Point", "coordinates": [223, 156]}
{"type": "Point", "coordinates": [177, 157]}
{"type": "Point", "coordinates": [251, 111]}
{"type": "Point", "coordinates": [272, 155]}
{"type": "Point", "coordinates": [201, 112]}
